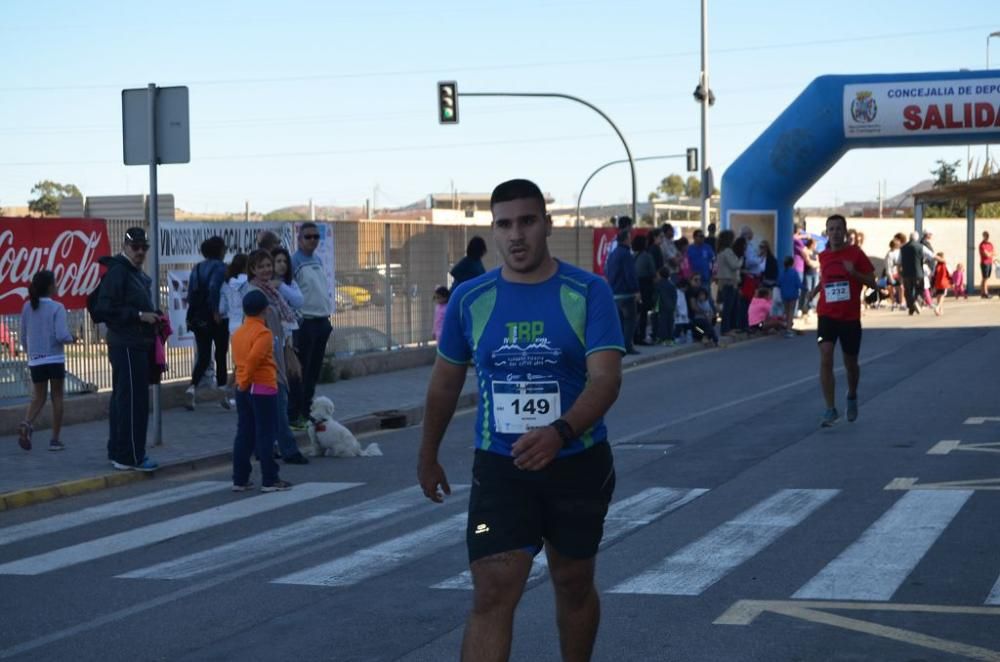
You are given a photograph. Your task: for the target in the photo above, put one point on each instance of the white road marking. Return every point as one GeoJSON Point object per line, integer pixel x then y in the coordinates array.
{"type": "Point", "coordinates": [381, 558]}
{"type": "Point", "coordinates": [994, 597]}
{"type": "Point", "coordinates": [273, 541]}
{"type": "Point", "coordinates": [76, 518]}
{"type": "Point", "coordinates": [732, 403]}
{"type": "Point", "coordinates": [704, 562]}
{"type": "Point", "coordinates": [979, 420]}
{"type": "Point", "coordinates": [155, 533]}
{"type": "Point", "coordinates": [878, 562]}
{"type": "Point", "coordinates": [901, 484]}
{"type": "Point", "coordinates": [944, 447]}
{"type": "Point", "coordinates": [623, 517]}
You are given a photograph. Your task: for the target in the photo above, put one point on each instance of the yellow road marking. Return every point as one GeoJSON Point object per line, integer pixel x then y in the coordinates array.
{"type": "Point", "coordinates": [744, 612]}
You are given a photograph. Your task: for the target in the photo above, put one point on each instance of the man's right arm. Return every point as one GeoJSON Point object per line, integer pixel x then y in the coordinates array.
{"type": "Point", "coordinates": [447, 380]}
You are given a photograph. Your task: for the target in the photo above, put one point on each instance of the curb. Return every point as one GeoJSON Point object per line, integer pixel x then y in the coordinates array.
{"type": "Point", "coordinates": [381, 420]}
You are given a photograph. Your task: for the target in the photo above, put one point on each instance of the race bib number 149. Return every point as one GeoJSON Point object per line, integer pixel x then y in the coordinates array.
{"type": "Point", "coordinates": [522, 406]}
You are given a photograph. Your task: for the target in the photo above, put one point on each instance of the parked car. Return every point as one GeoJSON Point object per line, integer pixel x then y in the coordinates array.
{"type": "Point", "coordinates": [343, 300]}
{"type": "Point", "coordinates": [359, 296]}
{"type": "Point", "coordinates": [351, 340]}
{"type": "Point", "coordinates": [369, 281]}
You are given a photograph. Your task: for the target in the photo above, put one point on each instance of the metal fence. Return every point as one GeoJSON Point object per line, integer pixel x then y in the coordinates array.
{"type": "Point", "coordinates": [386, 273]}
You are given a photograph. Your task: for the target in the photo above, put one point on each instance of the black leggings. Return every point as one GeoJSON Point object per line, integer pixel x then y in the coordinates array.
{"type": "Point", "coordinates": [204, 336]}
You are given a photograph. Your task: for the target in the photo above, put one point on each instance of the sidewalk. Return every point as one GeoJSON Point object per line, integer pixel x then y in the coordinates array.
{"type": "Point", "coordinates": [194, 440]}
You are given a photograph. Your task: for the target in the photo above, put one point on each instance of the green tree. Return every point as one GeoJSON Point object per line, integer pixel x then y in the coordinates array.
{"type": "Point", "coordinates": [944, 174]}
{"type": "Point", "coordinates": [672, 186]}
{"type": "Point", "coordinates": [48, 194]}
{"type": "Point", "coordinates": [692, 187]}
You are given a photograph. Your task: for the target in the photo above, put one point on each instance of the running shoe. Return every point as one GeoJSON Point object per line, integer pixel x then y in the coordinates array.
{"type": "Point", "coordinates": [146, 466]}
{"type": "Point", "coordinates": [830, 416]}
{"type": "Point", "coordinates": [245, 487]}
{"type": "Point", "coordinates": [56, 445]}
{"type": "Point", "coordinates": [189, 398]}
{"type": "Point", "coordinates": [24, 431]}
{"type": "Point", "coordinates": [276, 486]}
{"type": "Point", "coordinates": [852, 409]}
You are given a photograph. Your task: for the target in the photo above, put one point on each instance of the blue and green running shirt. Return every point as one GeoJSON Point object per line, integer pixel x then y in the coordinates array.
{"type": "Point", "coordinates": [530, 345]}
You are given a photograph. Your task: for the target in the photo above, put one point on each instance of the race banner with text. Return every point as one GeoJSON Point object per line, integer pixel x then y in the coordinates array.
{"type": "Point", "coordinates": [180, 244]}
{"type": "Point", "coordinates": [922, 108]}
{"type": "Point", "coordinates": [68, 247]}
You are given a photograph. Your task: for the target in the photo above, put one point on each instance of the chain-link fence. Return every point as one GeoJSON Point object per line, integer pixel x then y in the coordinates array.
{"type": "Point", "coordinates": [385, 272]}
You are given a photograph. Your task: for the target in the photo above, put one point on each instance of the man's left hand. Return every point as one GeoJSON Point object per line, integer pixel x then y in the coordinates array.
{"type": "Point", "coordinates": [534, 450]}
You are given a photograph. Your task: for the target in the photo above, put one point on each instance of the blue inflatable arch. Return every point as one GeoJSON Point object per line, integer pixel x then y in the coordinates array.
{"type": "Point", "coordinates": [838, 113]}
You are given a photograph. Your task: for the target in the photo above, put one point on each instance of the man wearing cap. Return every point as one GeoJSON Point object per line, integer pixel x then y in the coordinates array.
{"type": "Point", "coordinates": [125, 304]}
{"type": "Point", "coordinates": [315, 328]}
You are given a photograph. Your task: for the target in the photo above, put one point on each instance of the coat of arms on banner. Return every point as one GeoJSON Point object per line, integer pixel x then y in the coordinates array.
{"type": "Point", "coordinates": [864, 108]}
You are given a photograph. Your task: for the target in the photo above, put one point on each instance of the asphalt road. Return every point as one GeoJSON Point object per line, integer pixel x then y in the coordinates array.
{"type": "Point", "coordinates": [740, 530]}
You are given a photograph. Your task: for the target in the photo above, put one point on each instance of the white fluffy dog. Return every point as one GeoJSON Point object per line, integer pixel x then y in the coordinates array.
{"type": "Point", "coordinates": [329, 437]}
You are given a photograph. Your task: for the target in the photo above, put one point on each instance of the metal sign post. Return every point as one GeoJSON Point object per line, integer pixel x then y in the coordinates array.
{"type": "Point", "coordinates": [155, 130]}
{"type": "Point", "coordinates": [154, 243]}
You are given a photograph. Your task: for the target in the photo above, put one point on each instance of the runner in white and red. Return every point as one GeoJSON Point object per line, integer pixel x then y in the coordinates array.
{"type": "Point", "coordinates": [843, 271]}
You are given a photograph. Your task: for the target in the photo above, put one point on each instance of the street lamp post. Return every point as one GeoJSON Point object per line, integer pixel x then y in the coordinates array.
{"type": "Point", "coordinates": [584, 187]}
{"type": "Point", "coordinates": [706, 186]}
{"type": "Point", "coordinates": [554, 95]}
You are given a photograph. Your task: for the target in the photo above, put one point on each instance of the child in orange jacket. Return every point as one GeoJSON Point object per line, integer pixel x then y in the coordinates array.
{"type": "Point", "coordinates": [256, 398]}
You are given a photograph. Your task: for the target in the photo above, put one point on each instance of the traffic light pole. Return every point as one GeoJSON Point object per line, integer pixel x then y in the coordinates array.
{"type": "Point", "coordinates": [593, 174]}
{"type": "Point", "coordinates": [553, 95]}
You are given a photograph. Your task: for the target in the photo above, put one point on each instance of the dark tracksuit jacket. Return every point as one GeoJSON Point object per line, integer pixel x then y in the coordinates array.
{"type": "Point", "coordinates": [124, 293]}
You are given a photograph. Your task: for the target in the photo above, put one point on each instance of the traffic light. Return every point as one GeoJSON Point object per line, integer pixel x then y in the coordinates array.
{"type": "Point", "coordinates": [448, 102]}
{"type": "Point", "coordinates": [692, 159]}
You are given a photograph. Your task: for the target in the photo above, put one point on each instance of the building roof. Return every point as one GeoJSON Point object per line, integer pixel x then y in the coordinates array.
{"type": "Point", "coordinates": [974, 191]}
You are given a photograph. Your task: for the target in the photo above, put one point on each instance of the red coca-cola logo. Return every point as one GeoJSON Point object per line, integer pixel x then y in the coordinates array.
{"type": "Point", "coordinates": [69, 248]}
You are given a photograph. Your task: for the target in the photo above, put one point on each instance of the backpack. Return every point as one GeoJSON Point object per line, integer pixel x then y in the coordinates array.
{"type": "Point", "coordinates": [197, 299]}
{"type": "Point", "coordinates": [95, 316]}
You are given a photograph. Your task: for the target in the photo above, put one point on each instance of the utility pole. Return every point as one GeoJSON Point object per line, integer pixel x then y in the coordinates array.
{"type": "Point", "coordinates": [706, 100]}
{"type": "Point", "coordinates": [246, 211]}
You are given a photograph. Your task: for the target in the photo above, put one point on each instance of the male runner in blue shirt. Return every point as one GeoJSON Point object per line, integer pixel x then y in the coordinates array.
{"type": "Point", "coordinates": [546, 342]}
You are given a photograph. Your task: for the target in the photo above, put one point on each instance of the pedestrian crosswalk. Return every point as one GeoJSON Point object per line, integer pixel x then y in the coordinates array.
{"type": "Point", "coordinates": [401, 529]}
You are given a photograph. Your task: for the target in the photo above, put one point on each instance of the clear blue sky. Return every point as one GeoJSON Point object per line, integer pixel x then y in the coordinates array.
{"type": "Point", "coordinates": [294, 100]}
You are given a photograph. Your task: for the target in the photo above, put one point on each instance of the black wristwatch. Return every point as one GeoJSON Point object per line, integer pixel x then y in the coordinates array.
{"type": "Point", "coordinates": [565, 431]}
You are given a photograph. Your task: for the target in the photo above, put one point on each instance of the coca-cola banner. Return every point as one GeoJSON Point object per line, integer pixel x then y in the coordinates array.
{"type": "Point", "coordinates": [605, 240]}
{"type": "Point", "coordinates": [68, 247]}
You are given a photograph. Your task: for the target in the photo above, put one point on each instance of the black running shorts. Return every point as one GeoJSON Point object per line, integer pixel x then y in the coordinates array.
{"type": "Point", "coordinates": [848, 332]}
{"type": "Point", "coordinates": [563, 505]}
{"type": "Point", "coordinates": [43, 373]}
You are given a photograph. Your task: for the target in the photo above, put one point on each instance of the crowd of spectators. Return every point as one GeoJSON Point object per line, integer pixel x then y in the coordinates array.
{"type": "Point", "coordinates": [672, 290]}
